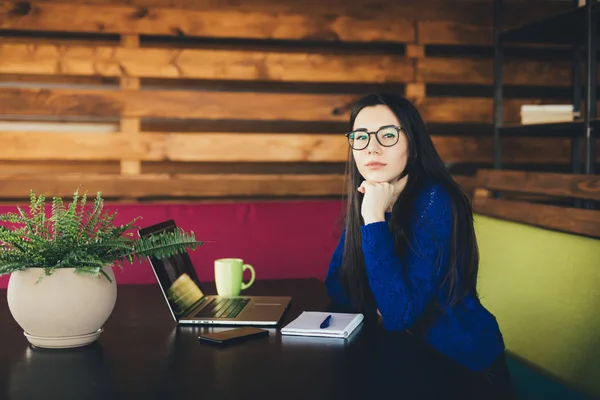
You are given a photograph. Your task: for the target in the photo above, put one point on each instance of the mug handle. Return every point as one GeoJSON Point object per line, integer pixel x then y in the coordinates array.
{"type": "Point", "coordinates": [247, 285]}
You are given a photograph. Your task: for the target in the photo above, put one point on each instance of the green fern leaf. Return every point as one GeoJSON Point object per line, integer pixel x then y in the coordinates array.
{"type": "Point", "coordinates": [75, 237]}
{"type": "Point", "coordinates": [91, 218]}
{"type": "Point", "coordinates": [11, 217]}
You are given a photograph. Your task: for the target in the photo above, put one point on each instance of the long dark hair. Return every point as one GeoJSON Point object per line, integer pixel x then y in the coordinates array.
{"type": "Point", "coordinates": [423, 163]}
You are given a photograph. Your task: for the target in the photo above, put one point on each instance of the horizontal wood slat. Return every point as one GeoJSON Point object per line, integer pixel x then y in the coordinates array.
{"type": "Point", "coordinates": [113, 61]}
{"type": "Point", "coordinates": [184, 185]}
{"type": "Point", "coordinates": [232, 147]}
{"type": "Point", "coordinates": [480, 71]}
{"type": "Point", "coordinates": [252, 147]}
{"type": "Point", "coordinates": [468, 183]}
{"type": "Point", "coordinates": [572, 220]}
{"type": "Point", "coordinates": [24, 78]}
{"type": "Point", "coordinates": [232, 105]}
{"type": "Point", "coordinates": [263, 167]}
{"type": "Point", "coordinates": [202, 64]}
{"type": "Point", "coordinates": [71, 146]}
{"type": "Point", "coordinates": [470, 109]}
{"type": "Point", "coordinates": [464, 12]}
{"type": "Point", "coordinates": [175, 104]}
{"type": "Point", "coordinates": [218, 185]}
{"type": "Point", "coordinates": [562, 185]}
{"type": "Point", "coordinates": [169, 167]}
{"type": "Point", "coordinates": [24, 166]}
{"type": "Point", "coordinates": [209, 23]}
{"type": "Point", "coordinates": [468, 149]}
{"type": "Point", "coordinates": [453, 32]}
{"type": "Point", "coordinates": [205, 147]}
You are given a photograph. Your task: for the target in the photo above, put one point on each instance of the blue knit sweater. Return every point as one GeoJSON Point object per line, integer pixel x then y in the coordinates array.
{"type": "Point", "coordinates": [403, 287]}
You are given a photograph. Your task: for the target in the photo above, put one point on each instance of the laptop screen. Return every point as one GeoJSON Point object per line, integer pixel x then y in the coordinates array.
{"type": "Point", "coordinates": [175, 274]}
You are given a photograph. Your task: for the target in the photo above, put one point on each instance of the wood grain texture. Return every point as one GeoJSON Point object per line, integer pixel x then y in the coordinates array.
{"type": "Point", "coordinates": [415, 50]}
{"type": "Point", "coordinates": [562, 185]}
{"type": "Point", "coordinates": [207, 23]}
{"type": "Point", "coordinates": [453, 32]}
{"type": "Point", "coordinates": [58, 80]}
{"type": "Point", "coordinates": [470, 109]}
{"type": "Point", "coordinates": [175, 104]}
{"type": "Point", "coordinates": [462, 11]}
{"type": "Point", "coordinates": [250, 147]}
{"type": "Point", "coordinates": [250, 168]}
{"type": "Point", "coordinates": [261, 106]}
{"type": "Point", "coordinates": [468, 149]}
{"type": "Point", "coordinates": [467, 182]}
{"type": "Point", "coordinates": [24, 166]}
{"type": "Point", "coordinates": [235, 106]}
{"type": "Point", "coordinates": [60, 102]}
{"type": "Point", "coordinates": [35, 38]}
{"type": "Point", "coordinates": [47, 146]}
{"type": "Point", "coordinates": [218, 185]}
{"type": "Point", "coordinates": [170, 167]}
{"type": "Point", "coordinates": [185, 147]}
{"type": "Point", "coordinates": [182, 185]}
{"type": "Point", "coordinates": [571, 220]}
{"type": "Point", "coordinates": [233, 147]}
{"type": "Point", "coordinates": [130, 127]}
{"type": "Point", "coordinates": [480, 71]}
{"type": "Point", "coordinates": [415, 90]}
{"type": "Point", "coordinates": [113, 61]}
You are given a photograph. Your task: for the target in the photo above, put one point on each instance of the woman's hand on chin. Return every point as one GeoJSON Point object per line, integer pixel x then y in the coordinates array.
{"type": "Point", "coordinates": [379, 197]}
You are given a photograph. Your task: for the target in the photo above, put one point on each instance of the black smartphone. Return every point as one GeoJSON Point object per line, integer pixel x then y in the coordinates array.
{"type": "Point", "coordinates": [233, 335]}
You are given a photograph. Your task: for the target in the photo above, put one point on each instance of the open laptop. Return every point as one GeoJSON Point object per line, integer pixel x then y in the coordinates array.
{"type": "Point", "coordinates": [188, 303]}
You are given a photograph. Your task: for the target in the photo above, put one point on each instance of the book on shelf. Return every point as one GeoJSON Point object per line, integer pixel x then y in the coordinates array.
{"type": "Point", "coordinates": [547, 113]}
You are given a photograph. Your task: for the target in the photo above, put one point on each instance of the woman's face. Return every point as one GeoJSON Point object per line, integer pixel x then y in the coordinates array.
{"type": "Point", "coordinates": [377, 163]}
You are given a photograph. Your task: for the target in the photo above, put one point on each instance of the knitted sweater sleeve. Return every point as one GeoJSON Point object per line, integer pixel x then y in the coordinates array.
{"type": "Point", "coordinates": [332, 281]}
{"type": "Point", "coordinates": [404, 287]}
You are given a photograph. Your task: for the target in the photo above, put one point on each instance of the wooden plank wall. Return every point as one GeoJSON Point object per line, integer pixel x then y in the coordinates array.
{"type": "Point", "coordinates": [166, 99]}
{"type": "Point", "coordinates": [550, 216]}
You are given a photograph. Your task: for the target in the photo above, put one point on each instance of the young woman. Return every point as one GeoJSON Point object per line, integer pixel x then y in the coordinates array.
{"type": "Point", "coordinates": [408, 251]}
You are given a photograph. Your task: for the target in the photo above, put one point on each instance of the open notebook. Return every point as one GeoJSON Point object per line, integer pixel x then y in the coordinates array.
{"type": "Point", "coordinates": [341, 325]}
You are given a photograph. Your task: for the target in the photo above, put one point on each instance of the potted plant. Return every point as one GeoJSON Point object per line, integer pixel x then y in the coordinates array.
{"type": "Point", "coordinates": [62, 287]}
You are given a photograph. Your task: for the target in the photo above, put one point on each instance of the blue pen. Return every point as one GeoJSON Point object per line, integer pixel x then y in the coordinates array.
{"type": "Point", "coordinates": [325, 322]}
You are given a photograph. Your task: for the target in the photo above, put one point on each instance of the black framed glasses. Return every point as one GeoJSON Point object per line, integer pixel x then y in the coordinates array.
{"type": "Point", "coordinates": [387, 136]}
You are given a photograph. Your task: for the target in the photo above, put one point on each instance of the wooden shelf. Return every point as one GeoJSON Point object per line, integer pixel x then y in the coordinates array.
{"type": "Point", "coordinates": [555, 129]}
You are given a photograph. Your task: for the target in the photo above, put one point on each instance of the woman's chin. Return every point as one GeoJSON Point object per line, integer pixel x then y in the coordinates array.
{"type": "Point", "coordinates": [377, 178]}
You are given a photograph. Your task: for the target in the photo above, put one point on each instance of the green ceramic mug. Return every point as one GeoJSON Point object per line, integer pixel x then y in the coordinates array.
{"type": "Point", "coordinates": [228, 276]}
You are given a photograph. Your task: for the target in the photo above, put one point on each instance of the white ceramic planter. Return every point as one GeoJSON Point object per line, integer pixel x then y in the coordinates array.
{"type": "Point", "coordinates": [63, 310]}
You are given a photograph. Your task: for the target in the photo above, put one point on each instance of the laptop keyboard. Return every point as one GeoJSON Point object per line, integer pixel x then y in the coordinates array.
{"type": "Point", "coordinates": [223, 308]}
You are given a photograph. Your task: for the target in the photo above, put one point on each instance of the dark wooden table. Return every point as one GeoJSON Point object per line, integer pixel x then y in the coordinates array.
{"type": "Point", "coordinates": [142, 353]}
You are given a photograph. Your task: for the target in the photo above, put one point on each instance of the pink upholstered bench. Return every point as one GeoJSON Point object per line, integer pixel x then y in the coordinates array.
{"type": "Point", "coordinates": [284, 239]}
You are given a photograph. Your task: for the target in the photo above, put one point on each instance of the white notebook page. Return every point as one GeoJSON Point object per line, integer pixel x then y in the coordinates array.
{"type": "Point", "coordinates": [307, 324]}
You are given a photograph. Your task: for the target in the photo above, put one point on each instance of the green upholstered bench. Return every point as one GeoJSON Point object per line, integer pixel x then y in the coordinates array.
{"type": "Point", "coordinates": [531, 383]}
{"type": "Point", "coordinates": [542, 282]}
